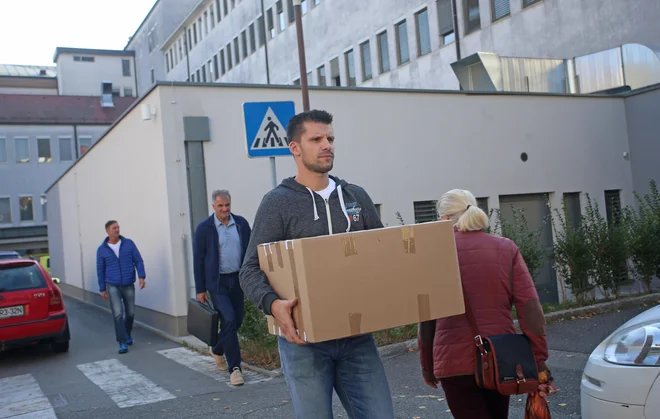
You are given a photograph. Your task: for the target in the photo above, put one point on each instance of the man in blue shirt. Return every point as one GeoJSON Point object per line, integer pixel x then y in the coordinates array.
{"type": "Point", "coordinates": [117, 258]}
{"type": "Point", "coordinates": [219, 248]}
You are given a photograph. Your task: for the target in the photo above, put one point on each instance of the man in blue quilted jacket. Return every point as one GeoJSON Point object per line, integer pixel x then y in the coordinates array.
{"type": "Point", "coordinates": [117, 258]}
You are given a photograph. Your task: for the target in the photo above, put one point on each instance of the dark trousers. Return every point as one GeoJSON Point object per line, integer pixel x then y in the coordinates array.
{"type": "Point", "coordinates": [228, 301]}
{"type": "Point", "coordinates": [468, 401]}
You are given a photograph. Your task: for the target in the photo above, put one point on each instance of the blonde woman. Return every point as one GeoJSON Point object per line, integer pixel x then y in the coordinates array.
{"type": "Point", "coordinates": [495, 278]}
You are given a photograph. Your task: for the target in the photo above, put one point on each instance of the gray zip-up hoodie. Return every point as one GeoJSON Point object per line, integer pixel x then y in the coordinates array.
{"type": "Point", "coordinates": [292, 211]}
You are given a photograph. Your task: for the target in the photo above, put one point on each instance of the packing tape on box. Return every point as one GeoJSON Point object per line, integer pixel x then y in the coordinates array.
{"type": "Point", "coordinates": [269, 256]}
{"type": "Point", "coordinates": [278, 251]}
{"type": "Point", "coordinates": [424, 307]}
{"type": "Point", "coordinates": [349, 246]}
{"type": "Point", "coordinates": [355, 322]}
{"type": "Point", "coordinates": [408, 236]}
{"type": "Point", "coordinates": [296, 289]}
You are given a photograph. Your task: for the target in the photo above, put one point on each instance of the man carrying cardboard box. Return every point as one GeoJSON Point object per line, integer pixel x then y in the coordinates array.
{"type": "Point", "coordinates": [315, 204]}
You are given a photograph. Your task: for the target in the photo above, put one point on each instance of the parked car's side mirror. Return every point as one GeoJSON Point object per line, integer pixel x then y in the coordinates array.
{"type": "Point", "coordinates": [56, 280]}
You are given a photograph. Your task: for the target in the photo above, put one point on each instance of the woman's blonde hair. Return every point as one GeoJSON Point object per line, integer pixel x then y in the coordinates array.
{"type": "Point", "coordinates": [460, 206]}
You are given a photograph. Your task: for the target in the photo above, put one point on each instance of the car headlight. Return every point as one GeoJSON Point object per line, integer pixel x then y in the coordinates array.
{"type": "Point", "coordinates": [637, 345]}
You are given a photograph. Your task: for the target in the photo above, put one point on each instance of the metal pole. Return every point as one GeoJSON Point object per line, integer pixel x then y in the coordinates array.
{"type": "Point", "coordinates": [273, 172]}
{"type": "Point", "coordinates": [301, 54]}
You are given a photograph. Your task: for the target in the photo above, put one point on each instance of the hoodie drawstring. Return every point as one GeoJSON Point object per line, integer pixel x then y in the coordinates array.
{"type": "Point", "coordinates": [341, 202]}
{"type": "Point", "coordinates": [343, 208]}
{"type": "Point", "coordinates": [316, 213]}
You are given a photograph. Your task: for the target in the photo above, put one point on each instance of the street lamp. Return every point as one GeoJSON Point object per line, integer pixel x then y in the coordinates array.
{"type": "Point", "coordinates": [297, 7]}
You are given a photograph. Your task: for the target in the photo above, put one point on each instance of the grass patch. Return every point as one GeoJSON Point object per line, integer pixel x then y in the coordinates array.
{"type": "Point", "coordinates": [396, 335]}
{"type": "Point", "coordinates": [261, 353]}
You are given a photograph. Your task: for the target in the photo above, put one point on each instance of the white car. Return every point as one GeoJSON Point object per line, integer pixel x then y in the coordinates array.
{"type": "Point", "coordinates": [620, 380]}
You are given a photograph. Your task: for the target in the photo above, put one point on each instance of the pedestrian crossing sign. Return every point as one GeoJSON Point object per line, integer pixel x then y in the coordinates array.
{"type": "Point", "coordinates": [265, 128]}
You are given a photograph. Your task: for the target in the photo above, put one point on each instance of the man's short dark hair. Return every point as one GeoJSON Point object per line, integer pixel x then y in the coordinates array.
{"type": "Point", "coordinates": [109, 223]}
{"type": "Point", "coordinates": [294, 128]}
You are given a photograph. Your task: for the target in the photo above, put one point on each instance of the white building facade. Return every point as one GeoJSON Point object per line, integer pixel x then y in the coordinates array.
{"type": "Point", "coordinates": [390, 43]}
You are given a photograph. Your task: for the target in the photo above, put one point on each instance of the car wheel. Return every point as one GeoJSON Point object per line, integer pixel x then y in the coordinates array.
{"type": "Point", "coordinates": [60, 347]}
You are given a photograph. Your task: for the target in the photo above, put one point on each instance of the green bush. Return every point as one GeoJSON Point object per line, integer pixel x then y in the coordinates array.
{"type": "Point", "coordinates": [572, 256]}
{"type": "Point", "coordinates": [255, 327]}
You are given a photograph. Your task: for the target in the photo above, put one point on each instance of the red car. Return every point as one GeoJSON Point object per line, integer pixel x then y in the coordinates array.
{"type": "Point", "coordinates": [32, 309]}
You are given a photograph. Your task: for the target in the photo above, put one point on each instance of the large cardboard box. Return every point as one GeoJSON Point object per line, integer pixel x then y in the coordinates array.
{"type": "Point", "coordinates": [360, 282]}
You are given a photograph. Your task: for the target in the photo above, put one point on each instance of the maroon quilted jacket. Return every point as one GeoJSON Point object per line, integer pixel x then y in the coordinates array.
{"type": "Point", "coordinates": [486, 263]}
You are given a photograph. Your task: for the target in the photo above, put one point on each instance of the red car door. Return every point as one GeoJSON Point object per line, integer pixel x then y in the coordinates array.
{"type": "Point", "coordinates": [24, 294]}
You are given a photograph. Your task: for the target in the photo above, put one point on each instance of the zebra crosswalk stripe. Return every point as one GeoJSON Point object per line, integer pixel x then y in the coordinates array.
{"type": "Point", "coordinates": [206, 365]}
{"type": "Point", "coordinates": [22, 398]}
{"type": "Point", "coordinates": [124, 386]}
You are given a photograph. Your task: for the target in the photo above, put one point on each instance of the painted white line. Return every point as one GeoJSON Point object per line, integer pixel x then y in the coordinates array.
{"type": "Point", "coordinates": [124, 386]}
{"type": "Point", "coordinates": [206, 365]}
{"type": "Point", "coordinates": [22, 398]}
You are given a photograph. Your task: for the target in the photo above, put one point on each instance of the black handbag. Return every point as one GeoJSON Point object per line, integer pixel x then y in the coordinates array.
{"type": "Point", "coordinates": [203, 321]}
{"type": "Point", "coordinates": [504, 363]}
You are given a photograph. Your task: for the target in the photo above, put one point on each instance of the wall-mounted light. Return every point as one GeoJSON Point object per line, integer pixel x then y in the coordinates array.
{"type": "Point", "coordinates": [626, 156]}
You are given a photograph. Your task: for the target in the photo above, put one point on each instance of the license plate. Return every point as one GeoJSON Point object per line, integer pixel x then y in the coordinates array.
{"type": "Point", "coordinates": [8, 312]}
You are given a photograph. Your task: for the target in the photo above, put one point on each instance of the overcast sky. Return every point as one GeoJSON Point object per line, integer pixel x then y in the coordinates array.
{"type": "Point", "coordinates": [30, 30]}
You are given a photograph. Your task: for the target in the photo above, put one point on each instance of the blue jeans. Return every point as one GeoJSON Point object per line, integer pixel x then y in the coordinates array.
{"type": "Point", "coordinates": [228, 301]}
{"type": "Point", "coordinates": [122, 304]}
{"type": "Point", "coordinates": [351, 366]}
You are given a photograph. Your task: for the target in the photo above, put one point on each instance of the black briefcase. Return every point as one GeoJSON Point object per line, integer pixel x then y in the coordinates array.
{"type": "Point", "coordinates": [203, 322]}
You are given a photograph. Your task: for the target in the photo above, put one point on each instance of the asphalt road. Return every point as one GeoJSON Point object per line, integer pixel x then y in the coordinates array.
{"type": "Point", "coordinates": [159, 379]}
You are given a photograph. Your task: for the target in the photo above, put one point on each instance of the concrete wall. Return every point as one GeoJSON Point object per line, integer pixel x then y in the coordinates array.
{"type": "Point", "coordinates": [123, 178]}
{"type": "Point", "coordinates": [163, 19]}
{"type": "Point", "coordinates": [32, 178]}
{"type": "Point", "coordinates": [427, 143]}
{"type": "Point", "coordinates": [548, 29]}
{"type": "Point", "coordinates": [81, 78]}
{"type": "Point", "coordinates": [644, 135]}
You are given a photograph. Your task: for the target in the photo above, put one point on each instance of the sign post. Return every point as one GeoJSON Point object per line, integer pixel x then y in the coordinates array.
{"type": "Point", "coordinates": [265, 131]}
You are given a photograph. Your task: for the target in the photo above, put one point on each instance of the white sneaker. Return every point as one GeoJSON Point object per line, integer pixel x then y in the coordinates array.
{"type": "Point", "coordinates": [236, 378]}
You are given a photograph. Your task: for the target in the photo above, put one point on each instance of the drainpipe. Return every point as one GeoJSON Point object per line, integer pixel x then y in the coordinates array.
{"type": "Point", "coordinates": [457, 38]}
{"type": "Point", "coordinates": [75, 140]}
{"type": "Point", "coordinates": [263, 14]}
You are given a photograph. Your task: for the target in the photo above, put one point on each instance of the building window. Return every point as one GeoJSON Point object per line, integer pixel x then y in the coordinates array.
{"type": "Point", "coordinates": [320, 72]}
{"type": "Point", "coordinates": [171, 59]}
{"type": "Point", "coordinates": [126, 68]}
{"type": "Point", "coordinates": [245, 44]}
{"type": "Point", "coordinates": [501, 9]}
{"type": "Point", "coordinates": [403, 54]}
{"type": "Point", "coordinates": [116, 92]}
{"type": "Point", "coordinates": [271, 25]}
{"type": "Point", "coordinates": [613, 206]}
{"type": "Point", "coordinates": [206, 23]}
{"type": "Point", "coordinates": [85, 59]}
{"type": "Point", "coordinates": [195, 33]}
{"type": "Point", "coordinates": [350, 67]}
{"type": "Point", "coordinates": [200, 28]}
{"type": "Point", "coordinates": [527, 3]}
{"type": "Point", "coordinates": [291, 11]}
{"type": "Point", "coordinates": [22, 150]}
{"type": "Point", "coordinates": [192, 77]}
{"type": "Point", "coordinates": [573, 209]}
{"type": "Point", "coordinates": [167, 62]}
{"type": "Point", "coordinates": [66, 153]}
{"type": "Point", "coordinates": [223, 69]}
{"type": "Point", "coordinates": [280, 15]}
{"type": "Point", "coordinates": [3, 150]}
{"type": "Point", "coordinates": [216, 73]}
{"type": "Point", "coordinates": [383, 52]}
{"type": "Point", "coordinates": [237, 52]}
{"type": "Point", "coordinates": [5, 211]}
{"type": "Point", "coordinates": [253, 40]}
{"type": "Point", "coordinates": [334, 72]}
{"type": "Point", "coordinates": [218, 10]}
{"type": "Point", "coordinates": [229, 58]}
{"type": "Point", "coordinates": [425, 211]}
{"type": "Point", "coordinates": [190, 45]}
{"type": "Point", "coordinates": [296, 82]}
{"type": "Point", "coordinates": [303, 7]}
{"type": "Point", "coordinates": [128, 92]}
{"type": "Point", "coordinates": [151, 40]}
{"type": "Point", "coordinates": [44, 208]}
{"type": "Point", "coordinates": [472, 16]}
{"type": "Point", "coordinates": [212, 16]}
{"type": "Point", "coordinates": [43, 149]}
{"type": "Point", "coordinates": [365, 51]}
{"type": "Point", "coordinates": [261, 30]}
{"type": "Point", "coordinates": [84, 144]}
{"type": "Point", "coordinates": [27, 208]}
{"type": "Point", "coordinates": [203, 72]}
{"type": "Point", "coordinates": [198, 76]}
{"type": "Point", "coordinates": [423, 33]}
{"type": "Point", "coordinates": [483, 204]}
{"type": "Point", "coordinates": [224, 3]}
{"type": "Point", "coordinates": [445, 21]}
{"type": "Point", "coordinates": [153, 76]}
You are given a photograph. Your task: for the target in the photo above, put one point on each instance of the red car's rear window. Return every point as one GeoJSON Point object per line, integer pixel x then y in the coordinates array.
{"type": "Point", "coordinates": [17, 277]}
